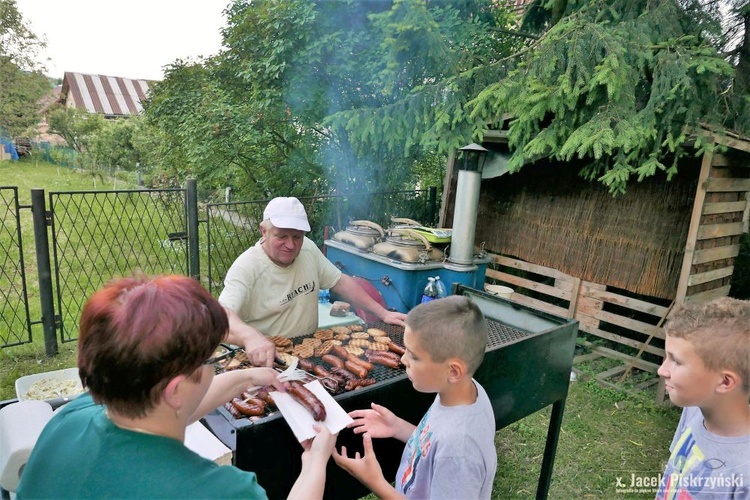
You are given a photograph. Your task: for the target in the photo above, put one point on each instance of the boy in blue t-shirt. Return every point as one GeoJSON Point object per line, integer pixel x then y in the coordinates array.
{"type": "Point", "coordinates": [707, 372]}
{"type": "Point", "coordinates": [451, 453]}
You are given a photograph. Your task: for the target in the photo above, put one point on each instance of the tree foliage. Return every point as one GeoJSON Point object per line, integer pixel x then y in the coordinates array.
{"type": "Point", "coordinates": [622, 84]}
{"type": "Point", "coordinates": [22, 82]}
{"type": "Point", "coordinates": [259, 116]}
{"type": "Point", "coordinates": [341, 95]}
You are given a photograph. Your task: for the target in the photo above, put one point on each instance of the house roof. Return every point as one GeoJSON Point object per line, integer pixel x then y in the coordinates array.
{"type": "Point", "coordinates": [111, 96]}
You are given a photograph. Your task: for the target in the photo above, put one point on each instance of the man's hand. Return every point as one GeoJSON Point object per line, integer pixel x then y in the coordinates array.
{"type": "Point", "coordinates": [394, 318]}
{"type": "Point", "coordinates": [260, 350]}
{"type": "Point", "coordinates": [350, 290]}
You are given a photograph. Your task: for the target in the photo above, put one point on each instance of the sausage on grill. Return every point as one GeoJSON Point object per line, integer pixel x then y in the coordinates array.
{"type": "Point", "coordinates": [332, 360]}
{"type": "Point", "coordinates": [357, 369]}
{"type": "Point", "coordinates": [248, 409]}
{"type": "Point", "coordinates": [396, 348]}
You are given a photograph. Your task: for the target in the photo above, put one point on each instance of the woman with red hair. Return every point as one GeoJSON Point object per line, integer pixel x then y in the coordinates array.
{"type": "Point", "coordinates": [144, 354]}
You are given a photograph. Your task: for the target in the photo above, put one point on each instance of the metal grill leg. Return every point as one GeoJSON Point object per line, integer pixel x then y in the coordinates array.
{"type": "Point", "coordinates": [550, 448]}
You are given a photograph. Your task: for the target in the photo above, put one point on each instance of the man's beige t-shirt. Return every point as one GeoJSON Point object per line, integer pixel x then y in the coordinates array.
{"type": "Point", "coordinates": [278, 300]}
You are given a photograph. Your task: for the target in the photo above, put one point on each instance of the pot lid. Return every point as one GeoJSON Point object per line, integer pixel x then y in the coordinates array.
{"type": "Point", "coordinates": [405, 241]}
{"type": "Point", "coordinates": [364, 228]}
{"type": "Point", "coordinates": [363, 231]}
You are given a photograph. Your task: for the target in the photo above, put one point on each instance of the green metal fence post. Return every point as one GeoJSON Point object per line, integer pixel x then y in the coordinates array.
{"type": "Point", "coordinates": [432, 206]}
{"type": "Point", "coordinates": [191, 200]}
{"type": "Point", "coordinates": [44, 269]}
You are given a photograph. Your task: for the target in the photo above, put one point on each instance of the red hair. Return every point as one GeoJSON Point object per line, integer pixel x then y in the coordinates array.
{"type": "Point", "coordinates": [137, 334]}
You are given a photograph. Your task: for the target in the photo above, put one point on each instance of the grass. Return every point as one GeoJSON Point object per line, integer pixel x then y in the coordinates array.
{"type": "Point", "coordinates": [606, 433]}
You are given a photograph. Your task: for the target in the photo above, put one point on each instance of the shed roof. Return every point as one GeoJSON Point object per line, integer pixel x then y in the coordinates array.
{"type": "Point", "coordinates": [111, 96]}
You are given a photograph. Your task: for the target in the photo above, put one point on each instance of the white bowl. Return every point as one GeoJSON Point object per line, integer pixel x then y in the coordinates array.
{"type": "Point", "coordinates": [499, 290]}
{"type": "Point", "coordinates": [23, 384]}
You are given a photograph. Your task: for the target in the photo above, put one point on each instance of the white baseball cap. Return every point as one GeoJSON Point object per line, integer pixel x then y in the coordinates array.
{"type": "Point", "coordinates": [287, 213]}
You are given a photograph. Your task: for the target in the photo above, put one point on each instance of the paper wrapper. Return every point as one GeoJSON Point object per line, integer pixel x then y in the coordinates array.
{"type": "Point", "coordinates": [300, 420]}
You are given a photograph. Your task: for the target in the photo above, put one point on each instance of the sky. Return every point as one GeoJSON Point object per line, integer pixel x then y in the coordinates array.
{"type": "Point", "coordinates": [131, 38]}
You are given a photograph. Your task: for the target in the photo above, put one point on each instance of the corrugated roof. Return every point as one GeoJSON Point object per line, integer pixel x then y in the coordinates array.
{"type": "Point", "coordinates": [111, 96]}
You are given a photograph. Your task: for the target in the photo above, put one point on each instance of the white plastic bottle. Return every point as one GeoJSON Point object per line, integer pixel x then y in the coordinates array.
{"type": "Point", "coordinates": [441, 289]}
{"type": "Point", "coordinates": [430, 291]}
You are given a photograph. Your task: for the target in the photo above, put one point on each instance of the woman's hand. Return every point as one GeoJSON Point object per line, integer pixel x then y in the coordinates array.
{"type": "Point", "coordinates": [319, 447]}
{"type": "Point", "coordinates": [263, 377]}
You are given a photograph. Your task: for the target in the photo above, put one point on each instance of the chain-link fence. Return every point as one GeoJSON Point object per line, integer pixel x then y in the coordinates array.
{"type": "Point", "coordinates": [99, 235]}
{"type": "Point", "coordinates": [86, 238]}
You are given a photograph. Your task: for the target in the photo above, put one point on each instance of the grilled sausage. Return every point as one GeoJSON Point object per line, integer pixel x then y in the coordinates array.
{"type": "Point", "coordinates": [248, 409]}
{"type": "Point", "coordinates": [356, 384]}
{"type": "Point", "coordinates": [263, 394]}
{"type": "Point", "coordinates": [332, 360]}
{"type": "Point", "coordinates": [339, 351]}
{"type": "Point", "coordinates": [357, 369]}
{"type": "Point", "coordinates": [385, 361]}
{"type": "Point", "coordinates": [366, 364]}
{"type": "Point", "coordinates": [253, 400]}
{"type": "Point", "coordinates": [396, 348]}
{"type": "Point", "coordinates": [331, 384]}
{"type": "Point", "coordinates": [306, 398]}
{"type": "Point", "coordinates": [343, 372]}
{"type": "Point", "coordinates": [383, 354]}
{"type": "Point", "coordinates": [232, 410]}
{"type": "Point", "coordinates": [321, 371]}
{"type": "Point", "coordinates": [305, 364]}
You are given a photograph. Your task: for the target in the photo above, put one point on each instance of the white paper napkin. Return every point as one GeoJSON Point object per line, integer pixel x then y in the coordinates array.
{"type": "Point", "coordinates": [300, 420]}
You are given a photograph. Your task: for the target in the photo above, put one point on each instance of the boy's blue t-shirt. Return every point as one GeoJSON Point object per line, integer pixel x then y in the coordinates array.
{"type": "Point", "coordinates": [704, 465]}
{"type": "Point", "coordinates": [451, 453]}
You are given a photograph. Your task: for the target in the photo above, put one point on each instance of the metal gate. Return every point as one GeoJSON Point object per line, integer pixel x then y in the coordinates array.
{"type": "Point", "coordinates": [101, 235]}
{"type": "Point", "coordinates": [15, 320]}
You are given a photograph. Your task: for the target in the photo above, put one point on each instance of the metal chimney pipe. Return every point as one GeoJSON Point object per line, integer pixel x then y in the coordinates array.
{"type": "Point", "coordinates": [467, 202]}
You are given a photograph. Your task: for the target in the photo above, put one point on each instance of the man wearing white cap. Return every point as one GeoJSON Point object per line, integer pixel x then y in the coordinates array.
{"type": "Point", "coordinates": [272, 288]}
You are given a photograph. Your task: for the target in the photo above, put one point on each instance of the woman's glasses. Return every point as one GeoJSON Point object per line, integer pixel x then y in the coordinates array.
{"type": "Point", "coordinates": [223, 352]}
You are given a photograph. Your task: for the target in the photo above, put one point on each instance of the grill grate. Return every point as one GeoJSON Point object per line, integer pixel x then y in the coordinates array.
{"type": "Point", "coordinates": [500, 334]}
{"type": "Point", "coordinates": [380, 373]}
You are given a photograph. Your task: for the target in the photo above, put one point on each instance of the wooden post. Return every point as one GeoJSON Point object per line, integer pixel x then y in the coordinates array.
{"type": "Point", "coordinates": [695, 221]}
{"type": "Point", "coordinates": [574, 293]}
{"type": "Point", "coordinates": [643, 347]}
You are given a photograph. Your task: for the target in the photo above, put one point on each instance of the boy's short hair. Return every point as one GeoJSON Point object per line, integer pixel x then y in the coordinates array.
{"type": "Point", "coordinates": [451, 327]}
{"type": "Point", "coordinates": [719, 331]}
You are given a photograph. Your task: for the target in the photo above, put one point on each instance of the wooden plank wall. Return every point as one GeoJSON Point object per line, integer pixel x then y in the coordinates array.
{"type": "Point", "coordinates": [720, 221]}
{"type": "Point", "coordinates": [549, 290]}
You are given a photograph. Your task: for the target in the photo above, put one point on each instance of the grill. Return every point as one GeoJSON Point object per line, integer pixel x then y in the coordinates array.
{"type": "Point", "coordinates": [526, 368]}
{"type": "Point", "coordinates": [380, 373]}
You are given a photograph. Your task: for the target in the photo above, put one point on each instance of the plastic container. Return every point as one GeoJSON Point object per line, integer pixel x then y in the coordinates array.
{"type": "Point", "coordinates": [430, 291]}
{"type": "Point", "coordinates": [499, 290]}
{"type": "Point", "coordinates": [442, 291]}
{"type": "Point", "coordinates": [23, 385]}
